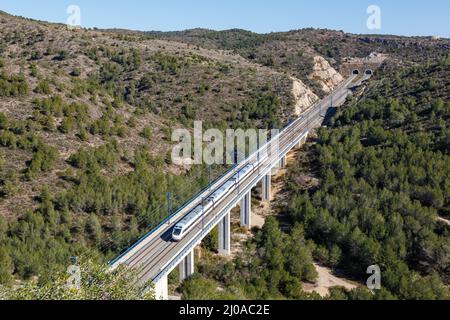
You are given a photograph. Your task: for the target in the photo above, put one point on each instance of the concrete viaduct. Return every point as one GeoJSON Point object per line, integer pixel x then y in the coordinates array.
{"type": "Point", "coordinates": [156, 254]}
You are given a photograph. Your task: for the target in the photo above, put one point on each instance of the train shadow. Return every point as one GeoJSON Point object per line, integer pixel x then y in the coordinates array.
{"type": "Point", "coordinates": [331, 112]}
{"type": "Point", "coordinates": [167, 236]}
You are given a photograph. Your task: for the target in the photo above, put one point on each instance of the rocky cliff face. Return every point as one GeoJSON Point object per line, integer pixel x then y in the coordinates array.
{"type": "Point", "coordinates": [325, 75]}
{"type": "Point", "coordinates": [303, 96]}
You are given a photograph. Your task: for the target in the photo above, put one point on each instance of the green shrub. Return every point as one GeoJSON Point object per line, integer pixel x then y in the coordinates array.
{"type": "Point", "coordinates": [34, 70]}
{"type": "Point", "coordinates": [43, 160]}
{"type": "Point", "coordinates": [67, 125]}
{"type": "Point", "coordinates": [43, 87]}
{"type": "Point", "coordinates": [4, 122]}
{"type": "Point", "coordinates": [13, 86]}
{"type": "Point", "coordinates": [147, 133]}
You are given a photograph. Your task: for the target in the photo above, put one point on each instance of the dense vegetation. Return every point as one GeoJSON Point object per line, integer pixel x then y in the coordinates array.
{"type": "Point", "coordinates": [95, 282]}
{"type": "Point", "coordinates": [95, 212]}
{"type": "Point", "coordinates": [384, 170]}
{"type": "Point", "coordinates": [271, 267]}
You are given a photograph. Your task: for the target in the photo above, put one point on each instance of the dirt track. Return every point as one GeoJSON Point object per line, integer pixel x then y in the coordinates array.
{"type": "Point", "coordinates": [327, 280]}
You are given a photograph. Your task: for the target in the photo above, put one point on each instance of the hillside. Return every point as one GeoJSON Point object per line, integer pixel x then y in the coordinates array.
{"type": "Point", "coordinates": [85, 124]}
{"type": "Point", "coordinates": [297, 52]}
{"type": "Point", "coordinates": [85, 127]}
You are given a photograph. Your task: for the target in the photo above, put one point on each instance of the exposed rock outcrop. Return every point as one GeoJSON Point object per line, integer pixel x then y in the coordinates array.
{"type": "Point", "coordinates": [324, 74]}
{"type": "Point", "coordinates": [303, 96]}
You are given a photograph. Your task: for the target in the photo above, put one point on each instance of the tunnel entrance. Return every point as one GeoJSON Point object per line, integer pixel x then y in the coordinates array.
{"type": "Point", "coordinates": [369, 72]}
{"type": "Point", "coordinates": [356, 72]}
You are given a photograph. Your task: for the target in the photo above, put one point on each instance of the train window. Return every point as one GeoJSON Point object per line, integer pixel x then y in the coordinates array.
{"type": "Point", "coordinates": [177, 231]}
{"type": "Point", "coordinates": [207, 201]}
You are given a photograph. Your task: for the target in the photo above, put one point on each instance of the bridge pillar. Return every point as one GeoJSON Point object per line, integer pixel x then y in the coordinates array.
{"type": "Point", "coordinates": [246, 210]}
{"type": "Point", "coordinates": [186, 267]}
{"type": "Point", "coordinates": [303, 141]}
{"type": "Point", "coordinates": [161, 289]}
{"type": "Point", "coordinates": [283, 162]}
{"type": "Point", "coordinates": [267, 188]}
{"type": "Point", "coordinates": [225, 236]}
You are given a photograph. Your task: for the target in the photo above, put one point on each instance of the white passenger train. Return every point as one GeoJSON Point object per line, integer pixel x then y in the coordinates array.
{"type": "Point", "coordinates": [189, 221]}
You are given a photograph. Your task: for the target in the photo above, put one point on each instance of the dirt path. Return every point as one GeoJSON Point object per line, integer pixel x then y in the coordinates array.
{"type": "Point", "coordinates": [444, 220]}
{"type": "Point", "coordinates": [327, 280]}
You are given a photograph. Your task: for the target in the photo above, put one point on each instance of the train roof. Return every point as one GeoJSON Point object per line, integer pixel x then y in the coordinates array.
{"type": "Point", "coordinates": [195, 212]}
{"type": "Point", "coordinates": [191, 216]}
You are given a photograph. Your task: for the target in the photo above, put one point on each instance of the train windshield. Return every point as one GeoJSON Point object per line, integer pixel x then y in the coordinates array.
{"type": "Point", "coordinates": [177, 231]}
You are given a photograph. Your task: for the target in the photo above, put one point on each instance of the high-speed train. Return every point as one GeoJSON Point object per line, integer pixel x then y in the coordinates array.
{"type": "Point", "coordinates": [188, 222]}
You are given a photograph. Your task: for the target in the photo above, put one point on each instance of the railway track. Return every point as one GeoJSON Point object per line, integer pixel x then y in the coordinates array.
{"type": "Point", "coordinates": [153, 255]}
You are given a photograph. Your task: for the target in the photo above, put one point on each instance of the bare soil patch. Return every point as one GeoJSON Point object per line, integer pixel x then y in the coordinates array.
{"type": "Point", "coordinates": [325, 281]}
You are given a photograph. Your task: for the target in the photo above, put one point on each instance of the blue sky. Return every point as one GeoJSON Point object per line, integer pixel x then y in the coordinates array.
{"type": "Point", "coordinates": [403, 17]}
